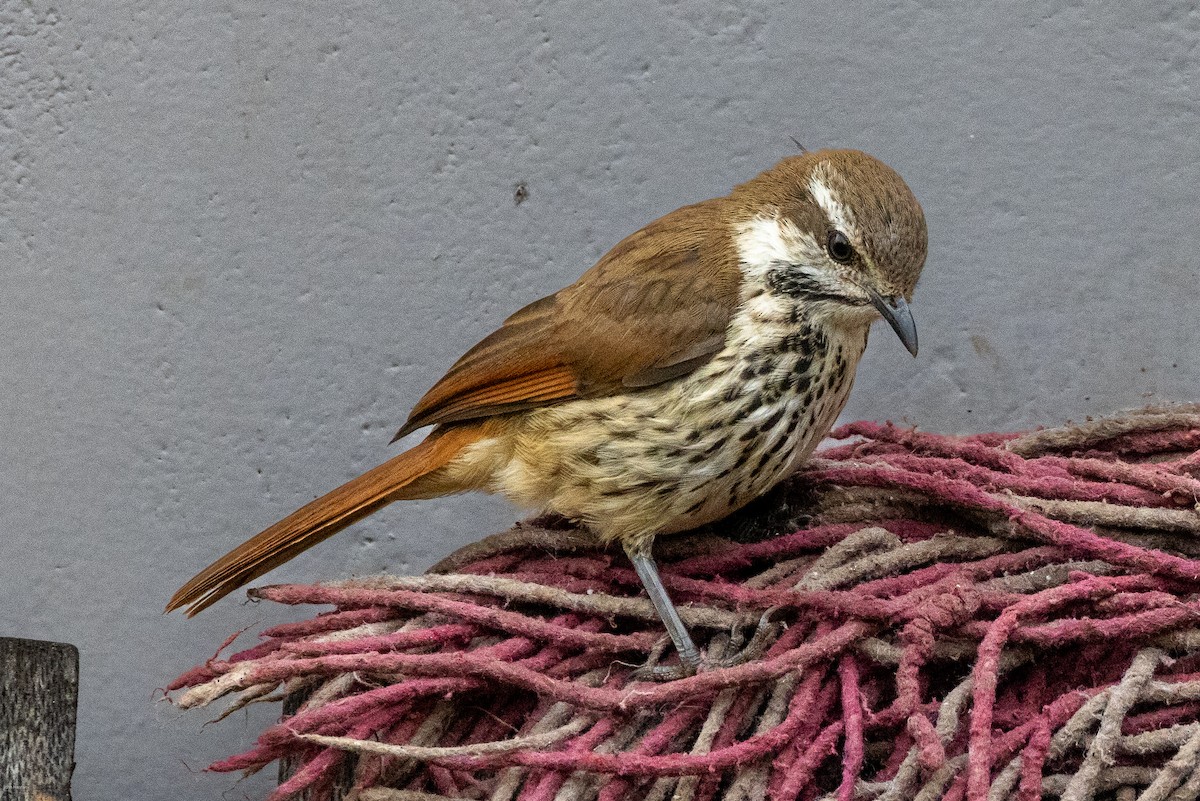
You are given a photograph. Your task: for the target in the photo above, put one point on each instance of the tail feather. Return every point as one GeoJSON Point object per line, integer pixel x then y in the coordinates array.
{"type": "Point", "coordinates": [396, 479]}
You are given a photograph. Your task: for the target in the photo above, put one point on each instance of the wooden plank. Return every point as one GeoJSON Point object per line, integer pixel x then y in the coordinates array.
{"type": "Point", "coordinates": [39, 693]}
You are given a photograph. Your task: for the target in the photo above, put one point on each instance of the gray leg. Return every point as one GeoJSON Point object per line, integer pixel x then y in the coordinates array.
{"type": "Point", "coordinates": [689, 654]}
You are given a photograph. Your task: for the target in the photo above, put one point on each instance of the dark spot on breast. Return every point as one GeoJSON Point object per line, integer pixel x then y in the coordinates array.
{"type": "Point", "coordinates": [817, 342]}
{"type": "Point", "coordinates": [773, 420]}
{"type": "Point", "coordinates": [629, 489]}
{"type": "Point", "coordinates": [795, 343]}
{"type": "Point", "coordinates": [762, 461]}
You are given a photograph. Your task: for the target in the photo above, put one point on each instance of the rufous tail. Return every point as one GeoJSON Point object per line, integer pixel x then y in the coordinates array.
{"type": "Point", "coordinates": [396, 479]}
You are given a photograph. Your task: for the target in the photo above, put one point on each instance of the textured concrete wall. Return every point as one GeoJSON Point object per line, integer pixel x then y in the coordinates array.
{"type": "Point", "coordinates": [239, 240]}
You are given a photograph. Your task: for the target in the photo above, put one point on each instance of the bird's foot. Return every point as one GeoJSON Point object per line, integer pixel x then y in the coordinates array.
{"type": "Point", "coordinates": [695, 662]}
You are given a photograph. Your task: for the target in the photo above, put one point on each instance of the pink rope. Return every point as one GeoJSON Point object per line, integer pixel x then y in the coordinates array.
{"type": "Point", "coordinates": [1011, 567]}
{"type": "Point", "coordinates": [852, 725]}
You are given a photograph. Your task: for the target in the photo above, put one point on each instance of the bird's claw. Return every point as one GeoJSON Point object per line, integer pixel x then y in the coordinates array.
{"type": "Point", "coordinates": [701, 663]}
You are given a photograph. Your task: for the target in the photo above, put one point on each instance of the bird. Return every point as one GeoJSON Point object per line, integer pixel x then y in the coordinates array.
{"type": "Point", "coordinates": [692, 369]}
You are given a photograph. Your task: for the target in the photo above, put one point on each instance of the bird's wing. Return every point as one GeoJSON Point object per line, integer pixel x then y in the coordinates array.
{"type": "Point", "coordinates": [656, 307]}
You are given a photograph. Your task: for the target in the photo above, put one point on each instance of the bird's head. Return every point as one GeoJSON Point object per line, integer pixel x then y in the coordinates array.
{"type": "Point", "coordinates": [836, 228]}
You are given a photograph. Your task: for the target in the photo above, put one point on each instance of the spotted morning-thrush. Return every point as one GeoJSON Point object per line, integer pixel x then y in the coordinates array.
{"type": "Point", "coordinates": [693, 368]}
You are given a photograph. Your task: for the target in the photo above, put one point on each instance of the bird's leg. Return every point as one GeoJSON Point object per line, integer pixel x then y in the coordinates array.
{"type": "Point", "coordinates": [643, 563]}
{"type": "Point", "coordinates": [690, 659]}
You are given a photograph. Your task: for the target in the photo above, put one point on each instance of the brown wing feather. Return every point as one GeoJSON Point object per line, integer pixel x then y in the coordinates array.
{"type": "Point", "coordinates": [653, 309]}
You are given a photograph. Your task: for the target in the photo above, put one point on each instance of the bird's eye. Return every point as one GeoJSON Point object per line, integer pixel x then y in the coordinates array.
{"type": "Point", "coordinates": [839, 247]}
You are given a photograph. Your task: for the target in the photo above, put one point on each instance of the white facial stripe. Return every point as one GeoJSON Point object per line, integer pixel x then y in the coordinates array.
{"type": "Point", "coordinates": [766, 241]}
{"type": "Point", "coordinates": [839, 215]}
{"type": "Point", "coordinates": [763, 244]}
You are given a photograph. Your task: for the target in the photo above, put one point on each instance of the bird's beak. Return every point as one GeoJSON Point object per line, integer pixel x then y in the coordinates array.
{"type": "Point", "coordinates": [895, 311]}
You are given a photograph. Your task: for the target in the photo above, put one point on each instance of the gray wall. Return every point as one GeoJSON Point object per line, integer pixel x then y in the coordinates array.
{"type": "Point", "coordinates": [240, 239]}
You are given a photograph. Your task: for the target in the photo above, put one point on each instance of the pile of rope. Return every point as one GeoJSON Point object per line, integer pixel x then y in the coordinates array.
{"type": "Point", "coordinates": [987, 617]}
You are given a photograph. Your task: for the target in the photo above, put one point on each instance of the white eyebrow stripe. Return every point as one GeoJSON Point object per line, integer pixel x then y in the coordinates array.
{"type": "Point", "coordinates": [838, 215]}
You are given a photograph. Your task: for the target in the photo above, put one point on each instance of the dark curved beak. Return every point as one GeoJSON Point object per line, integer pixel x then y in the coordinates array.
{"type": "Point", "coordinates": [895, 311]}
